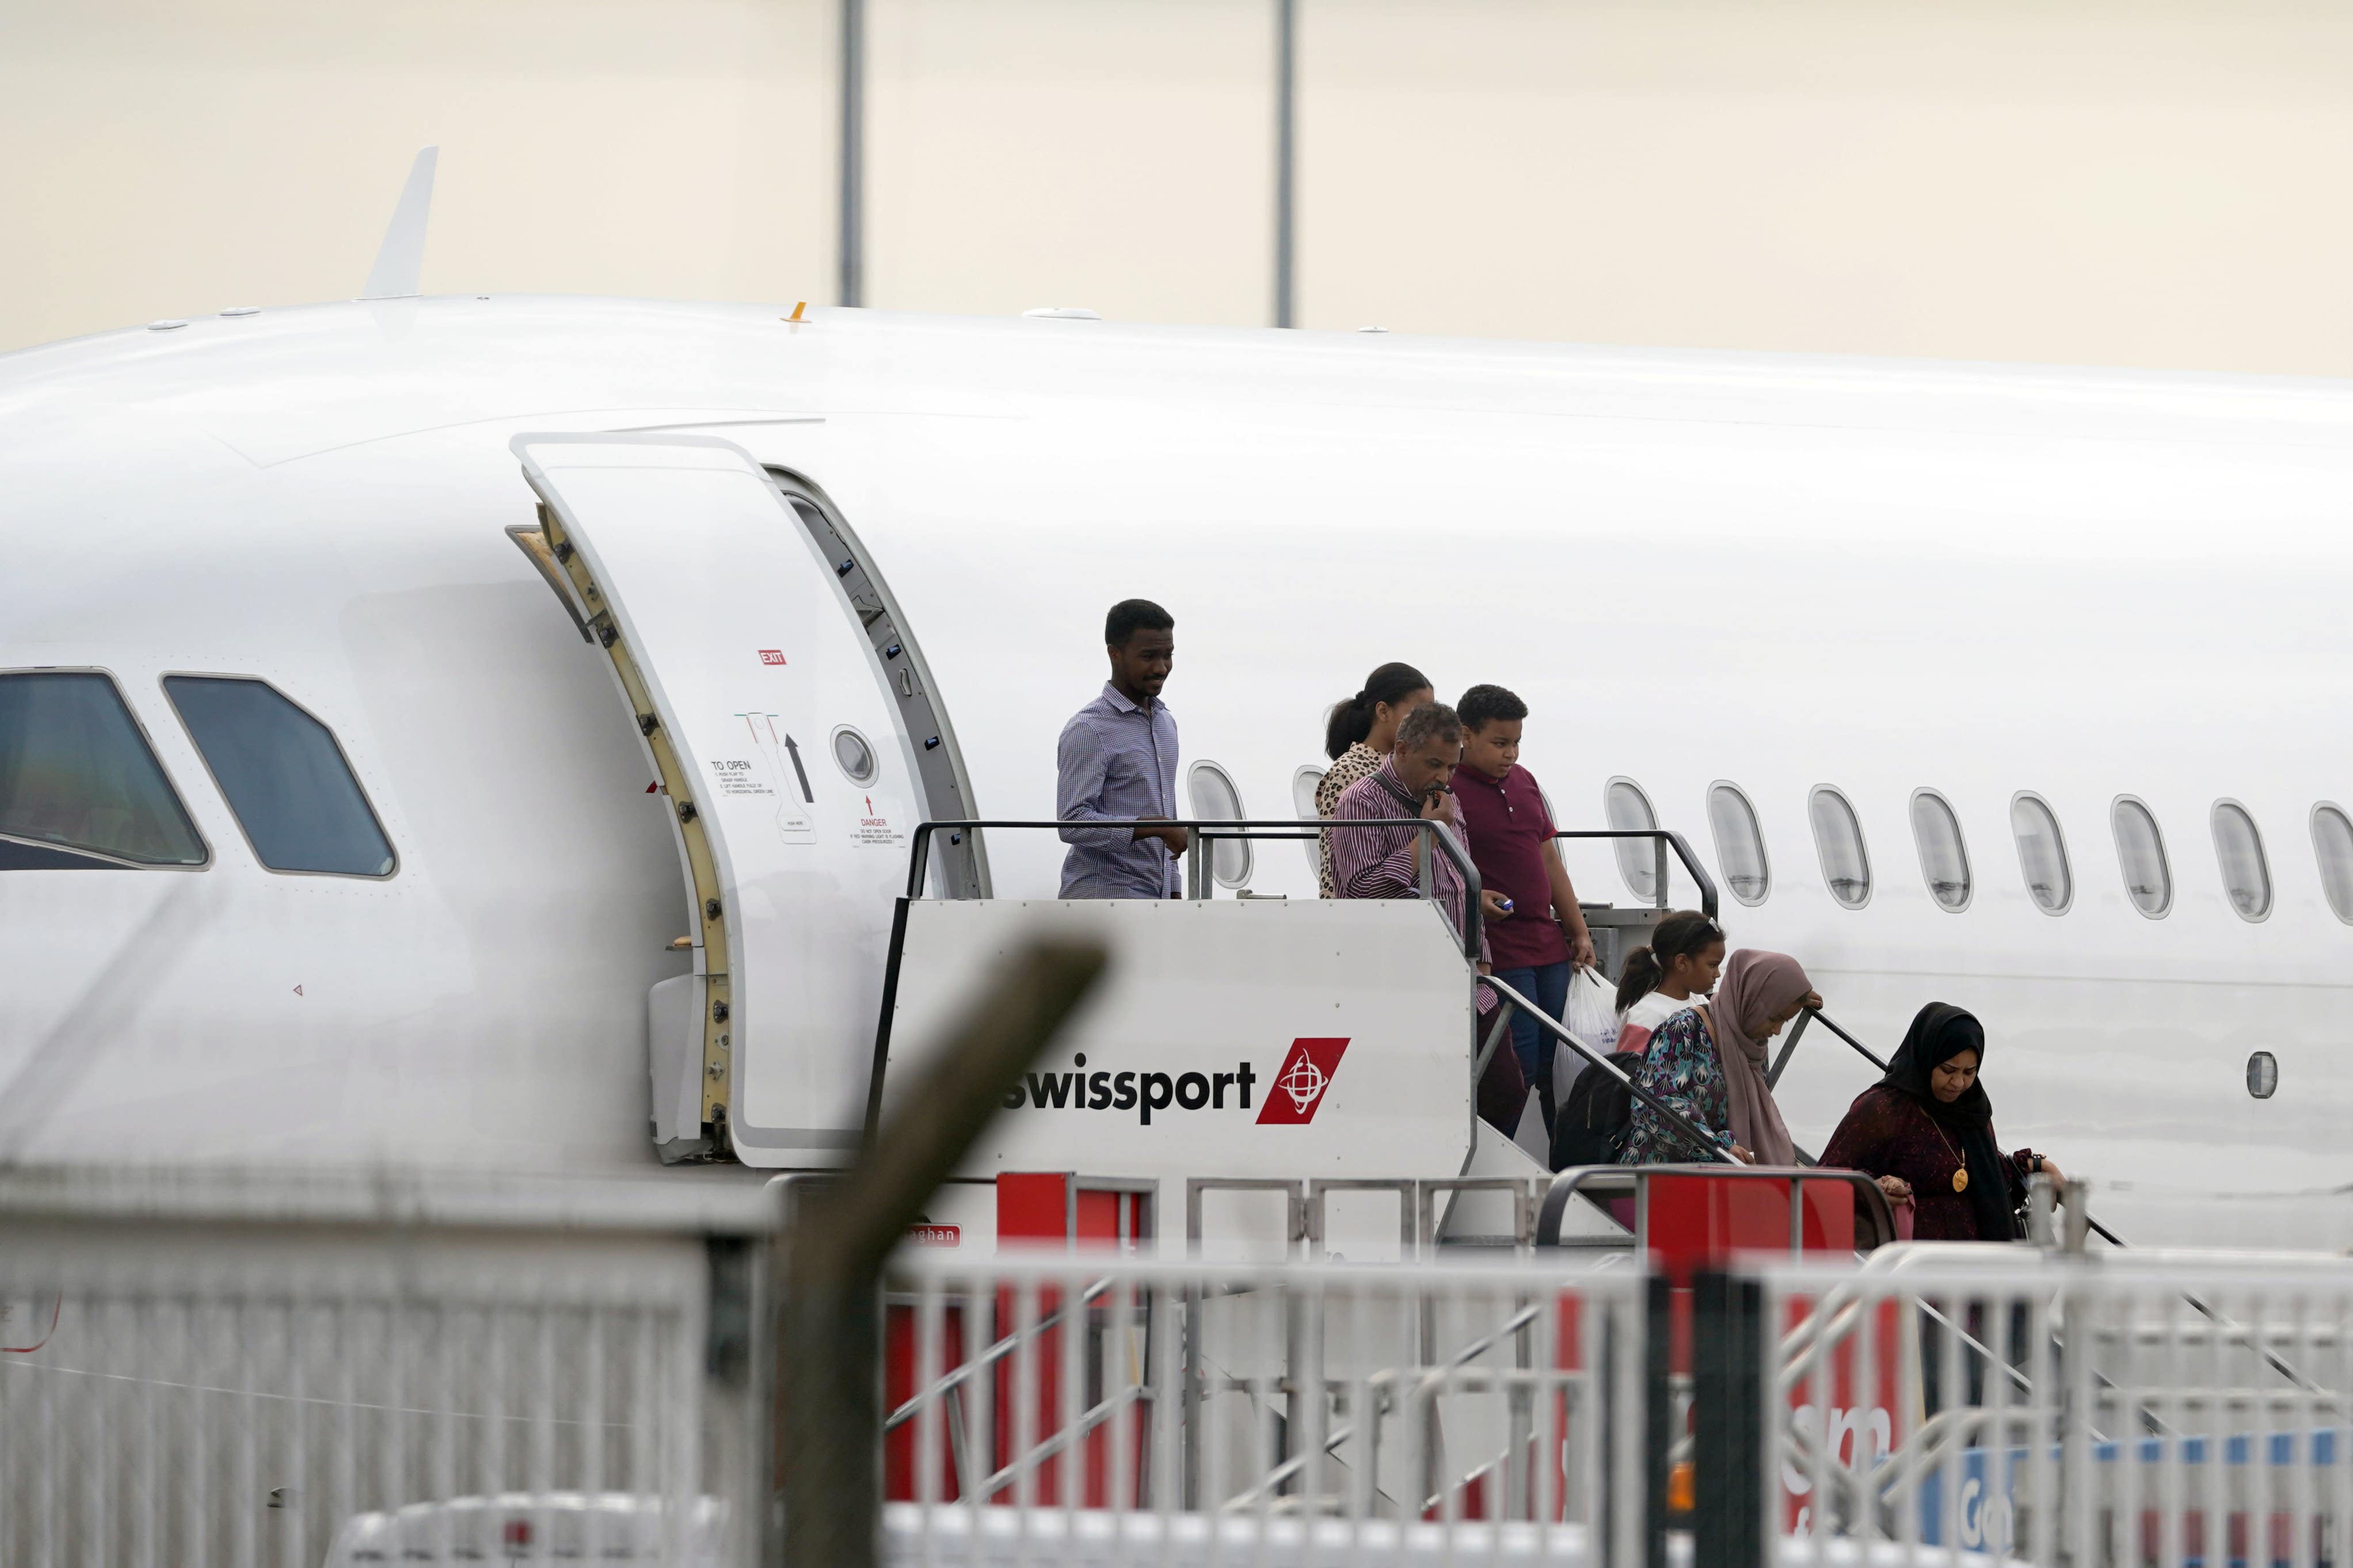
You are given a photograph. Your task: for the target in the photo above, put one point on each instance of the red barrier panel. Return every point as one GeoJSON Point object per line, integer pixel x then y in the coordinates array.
{"type": "Point", "coordinates": [1832, 1408]}
{"type": "Point", "coordinates": [1034, 1208]}
{"type": "Point", "coordinates": [900, 1363]}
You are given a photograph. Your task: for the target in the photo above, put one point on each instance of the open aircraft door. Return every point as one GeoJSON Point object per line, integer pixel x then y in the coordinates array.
{"type": "Point", "coordinates": [791, 781]}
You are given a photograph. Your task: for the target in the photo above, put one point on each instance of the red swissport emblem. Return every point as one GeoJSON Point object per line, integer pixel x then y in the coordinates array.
{"type": "Point", "coordinates": [1292, 1099]}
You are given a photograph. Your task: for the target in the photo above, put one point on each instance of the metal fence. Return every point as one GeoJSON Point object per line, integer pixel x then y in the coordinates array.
{"type": "Point", "coordinates": [2150, 1410]}
{"type": "Point", "coordinates": [346, 1386]}
{"type": "Point", "coordinates": [351, 1376]}
{"type": "Point", "coordinates": [2136, 1411]}
{"type": "Point", "coordinates": [1119, 1409]}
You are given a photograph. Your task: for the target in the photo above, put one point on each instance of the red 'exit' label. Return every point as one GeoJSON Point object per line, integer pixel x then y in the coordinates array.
{"type": "Point", "coordinates": [771, 655]}
{"type": "Point", "coordinates": [936, 1234]}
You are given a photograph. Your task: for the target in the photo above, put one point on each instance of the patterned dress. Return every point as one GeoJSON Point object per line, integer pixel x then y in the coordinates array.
{"type": "Point", "coordinates": [1358, 762]}
{"type": "Point", "coordinates": [1679, 1065]}
{"type": "Point", "coordinates": [1886, 1133]}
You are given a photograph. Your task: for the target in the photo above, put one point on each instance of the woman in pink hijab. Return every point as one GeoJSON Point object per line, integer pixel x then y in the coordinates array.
{"type": "Point", "coordinates": [1708, 1062]}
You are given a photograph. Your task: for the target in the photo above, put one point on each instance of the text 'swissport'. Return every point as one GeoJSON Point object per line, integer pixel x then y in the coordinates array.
{"type": "Point", "coordinates": [1143, 1092]}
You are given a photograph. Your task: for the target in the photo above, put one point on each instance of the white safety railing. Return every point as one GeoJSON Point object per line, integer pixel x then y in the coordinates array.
{"type": "Point", "coordinates": [2128, 1411]}
{"type": "Point", "coordinates": [360, 1375]}
{"type": "Point", "coordinates": [332, 1386]}
{"type": "Point", "coordinates": [1077, 1408]}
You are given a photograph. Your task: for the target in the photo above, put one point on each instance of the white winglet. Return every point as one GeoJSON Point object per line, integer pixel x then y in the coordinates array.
{"type": "Point", "coordinates": [401, 258]}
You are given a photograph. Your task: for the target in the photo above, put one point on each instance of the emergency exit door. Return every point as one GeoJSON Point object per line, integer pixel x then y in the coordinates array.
{"type": "Point", "coordinates": [783, 767]}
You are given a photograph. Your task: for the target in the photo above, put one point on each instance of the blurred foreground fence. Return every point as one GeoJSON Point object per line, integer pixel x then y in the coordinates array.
{"type": "Point", "coordinates": [203, 1371]}
{"type": "Point", "coordinates": [1117, 1410]}
{"type": "Point", "coordinates": [197, 1372]}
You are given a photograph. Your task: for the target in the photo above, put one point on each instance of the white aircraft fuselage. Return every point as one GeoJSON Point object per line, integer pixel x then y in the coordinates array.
{"type": "Point", "coordinates": [1777, 572]}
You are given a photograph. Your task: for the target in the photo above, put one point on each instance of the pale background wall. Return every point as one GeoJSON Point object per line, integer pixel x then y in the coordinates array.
{"type": "Point", "coordinates": [2156, 184]}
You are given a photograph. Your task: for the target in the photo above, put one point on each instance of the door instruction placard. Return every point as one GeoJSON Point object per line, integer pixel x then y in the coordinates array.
{"type": "Point", "coordinates": [771, 767]}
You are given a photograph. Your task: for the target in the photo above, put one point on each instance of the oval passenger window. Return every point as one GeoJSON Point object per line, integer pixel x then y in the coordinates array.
{"type": "Point", "coordinates": [1628, 811]}
{"type": "Point", "coordinates": [2332, 841]}
{"type": "Point", "coordinates": [1943, 858]}
{"type": "Point", "coordinates": [2140, 853]}
{"type": "Point", "coordinates": [1214, 799]}
{"type": "Point", "coordinates": [2262, 1074]}
{"type": "Point", "coordinates": [2246, 876]}
{"type": "Point", "coordinates": [2042, 854]}
{"type": "Point", "coordinates": [1837, 839]}
{"type": "Point", "coordinates": [1739, 844]}
{"type": "Point", "coordinates": [1304, 785]}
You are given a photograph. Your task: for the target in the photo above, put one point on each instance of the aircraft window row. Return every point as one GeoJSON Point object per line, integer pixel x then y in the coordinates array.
{"type": "Point", "coordinates": [2043, 858]}
{"type": "Point", "coordinates": [81, 786]}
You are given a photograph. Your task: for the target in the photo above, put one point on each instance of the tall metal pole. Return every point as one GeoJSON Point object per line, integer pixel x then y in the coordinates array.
{"type": "Point", "coordinates": [1286, 158]}
{"type": "Point", "coordinates": [851, 286]}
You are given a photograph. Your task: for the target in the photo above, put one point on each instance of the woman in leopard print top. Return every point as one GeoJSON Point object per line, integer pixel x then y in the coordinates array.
{"type": "Point", "coordinates": [1359, 737]}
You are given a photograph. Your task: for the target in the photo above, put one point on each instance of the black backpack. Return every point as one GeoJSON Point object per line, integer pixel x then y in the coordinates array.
{"type": "Point", "coordinates": [1591, 1127]}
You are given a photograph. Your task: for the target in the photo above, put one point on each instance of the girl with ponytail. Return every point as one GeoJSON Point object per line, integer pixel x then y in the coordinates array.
{"type": "Point", "coordinates": [1685, 955]}
{"type": "Point", "coordinates": [1359, 735]}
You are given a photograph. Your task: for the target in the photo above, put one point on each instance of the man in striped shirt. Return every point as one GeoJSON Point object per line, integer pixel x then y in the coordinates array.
{"type": "Point", "coordinates": [1385, 863]}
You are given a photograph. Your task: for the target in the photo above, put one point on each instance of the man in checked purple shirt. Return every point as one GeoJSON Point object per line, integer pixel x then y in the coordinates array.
{"type": "Point", "coordinates": [1385, 863]}
{"type": "Point", "coordinates": [1117, 761]}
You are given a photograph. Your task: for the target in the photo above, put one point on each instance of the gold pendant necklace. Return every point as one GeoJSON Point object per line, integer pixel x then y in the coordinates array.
{"type": "Point", "coordinates": [1961, 1166]}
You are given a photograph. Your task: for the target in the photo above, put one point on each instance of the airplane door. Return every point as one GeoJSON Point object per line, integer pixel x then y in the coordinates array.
{"type": "Point", "coordinates": [791, 782]}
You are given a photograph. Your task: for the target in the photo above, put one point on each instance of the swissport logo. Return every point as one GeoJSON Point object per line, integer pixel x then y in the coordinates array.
{"type": "Point", "coordinates": [1290, 1100]}
{"type": "Point", "coordinates": [1298, 1090]}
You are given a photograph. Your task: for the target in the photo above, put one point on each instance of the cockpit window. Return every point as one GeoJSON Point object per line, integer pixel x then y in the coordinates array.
{"type": "Point", "coordinates": [76, 774]}
{"type": "Point", "coordinates": [284, 777]}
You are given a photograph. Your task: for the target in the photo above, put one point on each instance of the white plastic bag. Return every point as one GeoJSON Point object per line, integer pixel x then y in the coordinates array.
{"type": "Point", "coordinates": [1590, 1015]}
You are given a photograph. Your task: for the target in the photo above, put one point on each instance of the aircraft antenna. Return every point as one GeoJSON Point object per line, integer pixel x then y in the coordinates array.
{"type": "Point", "coordinates": [401, 258]}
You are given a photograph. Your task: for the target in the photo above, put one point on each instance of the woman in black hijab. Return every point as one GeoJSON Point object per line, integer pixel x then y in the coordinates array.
{"type": "Point", "coordinates": [1926, 1132]}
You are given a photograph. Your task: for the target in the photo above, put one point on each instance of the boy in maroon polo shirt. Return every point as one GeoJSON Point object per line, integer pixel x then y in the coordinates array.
{"type": "Point", "coordinates": [1544, 940]}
